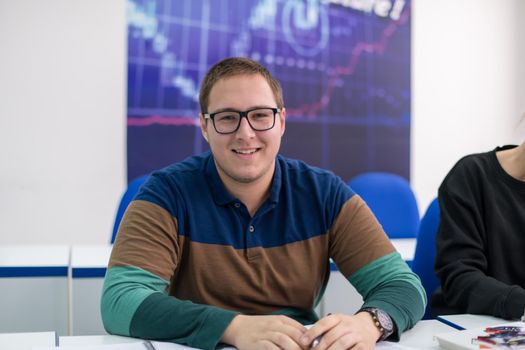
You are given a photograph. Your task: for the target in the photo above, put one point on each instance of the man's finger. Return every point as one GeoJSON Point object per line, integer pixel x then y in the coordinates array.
{"type": "Point", "coordinates": [347, 341]}
{"type": "Point", "coordinates": [291, 322]}
{"type": "Point", "coordinates": [284, 341]}
{"type": "Point", "coordinates": [318, 329]}
{"type": "Point", "coordinates": [332, 336]}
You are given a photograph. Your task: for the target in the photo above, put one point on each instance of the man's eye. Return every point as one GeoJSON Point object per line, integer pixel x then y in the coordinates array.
{"type": "Point", "coordinates": [261, 115]}
{"type": "Point", "coordinates": [226, 117]}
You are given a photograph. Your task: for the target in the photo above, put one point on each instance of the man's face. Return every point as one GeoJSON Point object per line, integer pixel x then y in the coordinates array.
{"type": "Point", "coordinates": [246, 155]}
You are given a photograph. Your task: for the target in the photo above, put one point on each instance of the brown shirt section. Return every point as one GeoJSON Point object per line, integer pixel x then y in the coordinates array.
{"type": "Point", "coordinates": [147, 238]}
{"type": "Point", "coordinates": [356, 237]}
{"type": "Point", "coordinates": [280, 277]}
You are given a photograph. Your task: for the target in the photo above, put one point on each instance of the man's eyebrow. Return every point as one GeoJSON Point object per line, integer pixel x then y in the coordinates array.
{"type": "Point", "coordinates": [226, 109]}
{"type": "Point", "coordinates": [230, 109]}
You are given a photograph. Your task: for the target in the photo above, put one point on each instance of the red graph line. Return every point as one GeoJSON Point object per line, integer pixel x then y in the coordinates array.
{"type": "Point", "coordinates": [360, 48]}
{"type": "Point", "coordinates": [312, 109]}
{"type": "Point", "coordinates": [163, 120]}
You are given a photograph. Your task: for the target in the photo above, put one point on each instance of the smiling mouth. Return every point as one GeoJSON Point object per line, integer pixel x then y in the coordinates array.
{"type": "Point", "coordinates": [246, 151]}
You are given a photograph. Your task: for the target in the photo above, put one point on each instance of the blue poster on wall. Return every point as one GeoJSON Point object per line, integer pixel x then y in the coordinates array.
{"type": "Point", "coordinates": [344, 66]}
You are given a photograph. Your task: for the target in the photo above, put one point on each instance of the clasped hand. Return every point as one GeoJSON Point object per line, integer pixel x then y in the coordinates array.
{"type": "Point", "coordinates": [337, 331]}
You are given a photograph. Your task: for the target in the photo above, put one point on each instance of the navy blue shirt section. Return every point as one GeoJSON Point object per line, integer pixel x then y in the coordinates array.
{"type": "Point", "coordinates": [303, 202]}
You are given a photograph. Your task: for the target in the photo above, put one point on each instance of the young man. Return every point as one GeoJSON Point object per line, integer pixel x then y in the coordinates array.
{"type": "Point", "coordinates": [233, 246]}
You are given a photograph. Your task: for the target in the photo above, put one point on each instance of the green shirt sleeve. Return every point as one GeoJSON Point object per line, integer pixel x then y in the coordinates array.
{"type": "Point", "coordinates": [134, 303]}
{"type": "Point", "coordinates": [388, 284]}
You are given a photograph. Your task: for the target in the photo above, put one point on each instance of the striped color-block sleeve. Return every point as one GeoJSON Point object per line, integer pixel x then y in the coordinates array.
{"type": "Point", "coordinates": [135, 301]}
{"type": "Point", "coordinates": [367, 258]}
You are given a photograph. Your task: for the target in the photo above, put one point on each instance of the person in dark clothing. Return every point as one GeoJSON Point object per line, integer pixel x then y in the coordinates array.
{"type": "Point", "coordinates": [480, 258]}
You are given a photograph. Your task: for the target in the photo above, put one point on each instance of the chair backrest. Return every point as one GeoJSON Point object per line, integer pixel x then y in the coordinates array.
{"type": "Point", "coordinates": [131, 192]}
{"type": "Point", "coordinates": [392, 201]}
{"type": "Point", "coordinates": [425, 254]}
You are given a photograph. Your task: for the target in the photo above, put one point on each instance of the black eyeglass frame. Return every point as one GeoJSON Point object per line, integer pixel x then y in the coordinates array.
{"type": "Point", "coordinates": [243, 114]}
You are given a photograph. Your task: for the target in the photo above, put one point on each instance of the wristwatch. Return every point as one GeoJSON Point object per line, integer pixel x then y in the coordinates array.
{"type": "Point", "coordinates": [382, 321]}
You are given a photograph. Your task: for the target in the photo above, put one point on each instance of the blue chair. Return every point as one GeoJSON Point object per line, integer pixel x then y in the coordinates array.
{"type": "Point", "coordinates": [392, 201]}
{"type": "Point", "coordinates": [131, 192]}
{"type": "Point", "coordinates": [425, 254]}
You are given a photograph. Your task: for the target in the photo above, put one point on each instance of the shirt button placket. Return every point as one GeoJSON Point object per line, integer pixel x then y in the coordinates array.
{"type": "Point", "coordinates": [251, 238]}
{"type": "Point", "coordinates": [254, 252]}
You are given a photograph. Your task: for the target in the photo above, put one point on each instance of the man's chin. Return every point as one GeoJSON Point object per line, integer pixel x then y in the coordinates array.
{"type": "Point", "coordinates": [245, 179]}
{"type": "Point", "coordinates": [243, 175]}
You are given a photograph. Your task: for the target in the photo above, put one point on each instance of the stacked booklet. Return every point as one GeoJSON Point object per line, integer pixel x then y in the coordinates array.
{"type": "Point", "coordinates": [508, 336]}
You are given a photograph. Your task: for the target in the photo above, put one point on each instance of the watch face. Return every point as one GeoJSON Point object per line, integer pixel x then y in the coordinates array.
{"type": "Point", "coordinates": [384, 319]}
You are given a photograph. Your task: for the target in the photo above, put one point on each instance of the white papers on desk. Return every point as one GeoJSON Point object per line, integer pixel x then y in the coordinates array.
{"type": "Point", "coordinates": [172, 346]}
{"type": "Point", "coordinates": [139, 345]}
{"type": "Point", "coordinates": [462, 340]}
{"type": "Point", "coordinates": [125, 346]}
{"type": "Point", "coordinates": [386, 345]}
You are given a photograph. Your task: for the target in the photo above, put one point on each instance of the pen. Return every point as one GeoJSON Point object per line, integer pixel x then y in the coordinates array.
{"type": "Point", "coordinates": [317, 339]}
{"type": "Point", "coordinates": [148, 345]}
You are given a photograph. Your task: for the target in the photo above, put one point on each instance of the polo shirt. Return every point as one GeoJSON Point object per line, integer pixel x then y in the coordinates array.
{"type": "Point", "coordinates": [189, 257]}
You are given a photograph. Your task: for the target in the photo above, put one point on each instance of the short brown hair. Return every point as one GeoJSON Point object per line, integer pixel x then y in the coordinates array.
{"type": "Point", "coordinates": [236, 66]}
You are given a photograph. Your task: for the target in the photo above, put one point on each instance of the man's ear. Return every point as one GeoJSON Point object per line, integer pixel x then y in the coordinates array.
{"type": "Point", "coordinates": [283, 121]}
{"type": "Point", "coordinates": [204, 127]}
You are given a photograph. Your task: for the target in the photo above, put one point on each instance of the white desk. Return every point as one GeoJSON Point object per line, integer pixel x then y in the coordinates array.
{"type": "Point", "coordinates": [34, 291]}
{"type": "Point", "coordinates": [96, 340]}
{"type": "Point", "coordinates": [469, 321]}
{"type": "Point", "coordinates": [420, 337]}
{"type": "Point", "coordinates": [25, 341]}
{"type": "Point", "coordinates": [88, 268]}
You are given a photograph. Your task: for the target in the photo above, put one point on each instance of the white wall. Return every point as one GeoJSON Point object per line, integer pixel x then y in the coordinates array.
{"type": "Point", "coordinates": [468, 83]}
{"type": "Point", "coordinates": [62, 119]}
{"type": "Point", "coordinates": [519, 78]}
{"type": "Point", "coordinates": [62, 105]}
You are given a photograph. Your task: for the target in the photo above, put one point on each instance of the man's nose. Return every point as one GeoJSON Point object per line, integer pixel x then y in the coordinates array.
{"type": "Point", "coordinates": [245, 130]}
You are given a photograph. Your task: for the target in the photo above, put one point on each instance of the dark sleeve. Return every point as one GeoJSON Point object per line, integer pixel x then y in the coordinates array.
{"type": "Point", "coordinates": [461, 262]}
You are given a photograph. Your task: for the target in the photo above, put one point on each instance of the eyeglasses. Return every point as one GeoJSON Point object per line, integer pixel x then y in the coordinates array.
{"type": "Point", "coordinates": [228, 122]}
